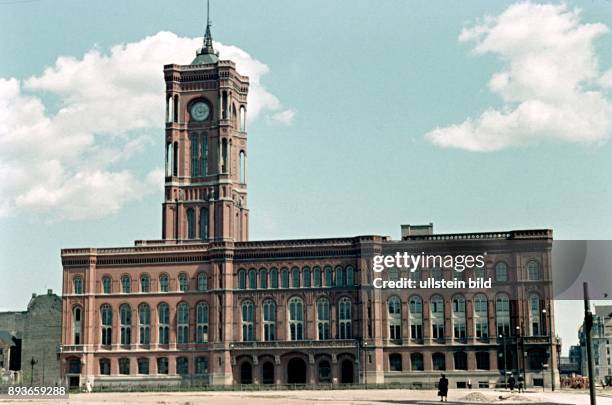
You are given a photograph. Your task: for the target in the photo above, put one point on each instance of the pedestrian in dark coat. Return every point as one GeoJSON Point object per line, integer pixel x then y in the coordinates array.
{"type": "Point", "coordinates": [443, 388]}
{"type": "Point", "coordinates": [511, 383]}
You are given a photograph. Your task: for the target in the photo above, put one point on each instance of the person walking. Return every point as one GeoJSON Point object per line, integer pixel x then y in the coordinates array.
{"type": "Point", "coordinates": [511, 383]}
{"type": "Point", "coordinates": [443, 388]}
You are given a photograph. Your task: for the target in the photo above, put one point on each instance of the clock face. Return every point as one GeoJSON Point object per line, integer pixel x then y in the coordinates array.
{"type": "Point", "coordinates": [200, 111]}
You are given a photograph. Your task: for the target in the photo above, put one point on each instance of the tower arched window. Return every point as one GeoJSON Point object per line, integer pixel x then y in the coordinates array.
{"type": "Point", "coordinates": [224, 154]}
{"type": "Point", "coordinates": [77, 325]}
{"type": "Point", "coordinates": [195, 158]}
{"type": "Point", "coordinates": [183, 280]}
{"type": "Point", "coordinates": [502, 315]}
{"type": "Point", "coordinates": [163, 283]}
{"type": "Point", "coordinates": [459, 322]}
{"type": "Point", "coordinates": [204, 155]}
{"type": "Point", "coordinates": [345, 320]}
{"type": "Point", "coordinates": [329, 277]}
{"type": "Point", "coordinates": [106, 313]}
{"type": "Point", "coordinates": [163, 321]}
{"type": "Point", "coordinates": [263, 278]}
{"type": "Point", "coordinates": [144, 323]}
{"type": "Point", "coordinates": [501, 272]}
{"type": "Point", "coordinates": [191, 223]}
{"type": "Point", "coordinates": [204, 223]}
{"type": "Point", "coordinates": [533, 270]}
{"type": "Point", "coordinates": [125, 313]}
{"type": "Point", "coordinates": [182, 323]}
{"type": "Point", "coordinates": [296, 319]}
{"type": "Point", "coordinates": [269, 320]}
{"type": "Point", "coordinates": [248, 321]}
{"type": "Point", "coordinates": [323, 328]}
{"type": "Point", "coordinates": [350, 276]}
{"type": "Point", "coordinates": [202, 281]}
{"type": "Point", "coordinates": [169, 159]}
{"type": "Point", "coordinates": [273, 278]}
{"type": "Point", "coordinates": [242, 118]}
{"type": "Point", "coordinates": [169, 108]}
{"type": "Point", "coordinates": [295, 277]}
{"type": "Point", "coordinates": [175, 109]}
{"type": "Point", "coordinates": [175, 159]}
{"type": "Point", "coordinates": [106, 285]}
{"type": "Point", "coordinates": [285, 278]}
{"type": "Point", "coordinates": [252, 279]}
{"type": "Point", "coordinates": [242, 167]}
{"type": "Point", "coordinates": [394, 306]}
{"type": "Point", "coordinates": [242, 279]}
{"type": "Point", "coordinates": [340, 277]}
{"type": "Point", "coordinates": [416, 317]}
{"type": "Point", "coordinates": [145, 283]}
{"type": "Point", "coordinates": [77, 285]}
{"type": "Point", "coordinates": [481, 316]}
{"type": "Point", "coordinates": [202, 322]}
{"type": "Point", "coordinates": [534, 315]}
{"type": "Point", "coordinates": [437, 317]}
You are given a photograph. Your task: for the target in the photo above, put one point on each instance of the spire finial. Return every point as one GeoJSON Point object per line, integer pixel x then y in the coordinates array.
{"type": "Point", "coordinates": [207, 46]}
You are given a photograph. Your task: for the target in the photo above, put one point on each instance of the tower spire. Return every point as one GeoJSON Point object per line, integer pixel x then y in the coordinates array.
{"type": "Point", "coordinates": [207, 53]}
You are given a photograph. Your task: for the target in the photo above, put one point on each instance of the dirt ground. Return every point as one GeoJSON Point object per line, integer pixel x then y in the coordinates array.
{"type": "Point", "coordinates": [344, 397]}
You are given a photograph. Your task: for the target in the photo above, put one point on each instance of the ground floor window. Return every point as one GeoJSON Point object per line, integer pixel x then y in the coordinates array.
{"type": "Point", "coordinates": [201, 365]}
{"type": "Point", "coordinates": [324, 371]}
{"type": "Point", "coordinates": [143, 366]}
{"type": "Point", "coordinates": [182, 366]}
{"type": "Point", "coordinates": [105, 367]}
{"type": "Point", "coordinates": [482, 361]}
{"type": "Point", "coordinates": [395, 362]}
{"type": "Point", "coordinates": [162, 365]}
{"type": "Point", "coordinates": [416, 360]}
{"type": "Point", "coordinates": [124, 366]}
{"type": "Point", "coordinates": [439, 362]}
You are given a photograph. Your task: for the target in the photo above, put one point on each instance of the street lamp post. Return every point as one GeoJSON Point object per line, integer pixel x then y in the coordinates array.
{"type": "Point", "coordinates": [32, 363]}
{"type": "Point", "coordinates": [365, 363]}
{"type": "Point", "coordinates": [502, 337]}
{"type": "Point", "coordinates": [519, 355]}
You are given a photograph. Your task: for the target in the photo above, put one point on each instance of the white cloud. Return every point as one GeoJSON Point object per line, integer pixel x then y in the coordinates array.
{"type": "Point", "coordinates": [63, 163]}
{"type": "Point", "coordinates": [551, 84]}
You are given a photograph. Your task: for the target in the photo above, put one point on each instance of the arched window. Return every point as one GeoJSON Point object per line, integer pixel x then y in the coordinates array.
{"type": "Point", "coordinates": [395, 362]}
{"type": "Point", "coordinates": [479, 272]}
{"type": "Point", "coordinates": [169, 108]}
{"type": "Point", "coordinates": [202, 282]}
{"type": "Point", "coordinates": [247, 321]}
{"type": "Point", "coordinates": [175, 152]}
{"type": "Point", "coordinates": [202, 322]}
{"type": "Point", "coordinates": [242, 279]}
{"type": "Point", "coordinates": [324, 371]}
{"type": "Point", "coordinates": [269, 320]}
{"type": "Point", "coordinates": [296, 319]}
{"type": "Point", "coordinates": [533, 270]}
{"type": "Point", "coordinates": [182, 365]}
{"type": "Point", "coordinates": [126, 324]}
{"type": "Point", "coordinates": [482, 361]}
{"type": "Point", "coordinates": [195, 161]}
{"type": "Point", "coordinates": [204, 223]}
{"type": "Point", "coordinates": [106, 313]}
{"type": "Point", "coordinates": [274, 278]}
{"type": "Point", "coordinates": [295, 277]}
{"type": "Point", "coordinates": [204, 160]}
{"type": "Point", "coordinates": [460, 360]}
{"type": "Point", "coordinates": [105, 367]}
{"type": "Point", "coordinates": [534, 311]}
{"type": "Point", "coordinates": [169, 155]}
{"type": "Point", "coordinates": [163, 283]}
{"type": "Point", "coordinates": [201, 365]}
{"type": "Point", "coordinates": [224, 161]}
{"type": "Point", "coordinates": [394, 306]}
{"type": "Point", "coordinates": [252, 279]}
{"type": "Point", "coordinates": [77, 285]}
{"type": "Point", "coordinates": [393, 274]}
{"type": "Point", "coordinates": [285, 278]}
{"type": "Point", "coordinates": [182, 323]}
{"type": "Point", "coordinates": [416, 361]}
{"type": "Point", "coordinates": [323, 319]}
{"type": "Point", "coordinates": [502, 315]}
{"type": "Point", "coordinates": [143, 366]}
{"type": "Point", "coordinates": [437, 274]}
{"type": "Point", "coordinates": [345, 319]}
{"type": "Point", "coordinates": [437, 317]}
{"type": "Point", "coordinates": [106, 285]}
{"type": "Point", "coordinates": [145, 283]}
{"type": "Point", "coordinates": [501, 272]}
{"type": "Point", "coordinates": [124, 366]}
{"type": "Point", "coordinates": [459, 323]}
{"type": "Point", "coordinates": [77, 318]}
{"type": "Point", "coordinates": [175, 109]}
{"type": "Point", "coordinates": [340, 277]}
{"type": "Point", "coordinates": [329, 277]}
{"type": "Point", "coordinates": [481, 316]}
{"type": "Point", "coordinates": [350, 276]}
{"type": "Point", "coordinates": [191, 234]}
{"type": "Point", "coordinates": [439, 361]}
{"type": "Point", "coordinates": [144, 323]}
{"type": "Point", "coordinates": [317, 277]}
{"type": "Point", "coordinates": [242, 167]}
{"type": "Point", "coordinates": [163, 320]}
{"type": "Point", "coordinates": [183, 282]}
{"type": "Point", "coordinates": [162, 365]}
{"type": "Point", "coordinates": [416, 317]}
{"type": "Point", "coordinates": [126, 284]}
{"type": "Point", "coordinates": [263, 278]}
{"type": "Point", "coordinates": [306, 277]}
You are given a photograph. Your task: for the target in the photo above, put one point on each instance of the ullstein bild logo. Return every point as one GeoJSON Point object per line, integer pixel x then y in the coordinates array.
{"type": "Point", "coordinates": [405, 260]}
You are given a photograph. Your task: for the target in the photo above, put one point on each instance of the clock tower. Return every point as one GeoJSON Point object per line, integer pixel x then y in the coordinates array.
{"type": "Point", "coordinates": [206, 149]}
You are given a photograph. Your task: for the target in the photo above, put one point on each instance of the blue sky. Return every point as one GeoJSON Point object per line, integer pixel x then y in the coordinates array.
{"type": "Point", "coordinates": [349, 95]}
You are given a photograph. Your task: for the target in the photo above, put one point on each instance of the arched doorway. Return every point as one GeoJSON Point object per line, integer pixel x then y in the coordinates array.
{"type": "Point", "coordinates": [296, 371]}
{"type": "Point", "coordinates": [267, 373]}
{"type": "Point", "coordinates": [346, 372]}
{"type": "Point", "coordinates": [246, 373]}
